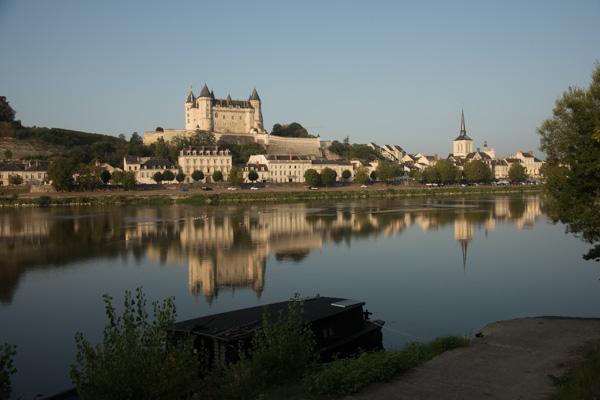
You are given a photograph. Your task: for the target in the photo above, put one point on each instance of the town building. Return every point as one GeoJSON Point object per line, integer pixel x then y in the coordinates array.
{"type": "Point", "coordinates": [207, 159]}
{"type": "Point", "coordinates": [145, 168]}
{"type": "Point", "coordinates": [290, 168]}
{"type": "Point", "coordinates": [32, 173]}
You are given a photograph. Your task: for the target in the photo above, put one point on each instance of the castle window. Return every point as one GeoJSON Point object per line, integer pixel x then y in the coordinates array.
{"type": "Point", "coordinates": [232, 117]}
{"type": "Point", "coordinates": [223, 117]}
{"type": "Point", "coordinates": [216, 115]}
{"type": "Point", "coordinates": [240, 118]}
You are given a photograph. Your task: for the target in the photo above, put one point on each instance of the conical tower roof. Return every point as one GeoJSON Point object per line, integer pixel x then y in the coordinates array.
{"type": "Point", "coordinates": [191, 98]}
{"type": "Point", "coordinates": [254, 95]}
{"type": "Point", "coordinates": [205, 92]}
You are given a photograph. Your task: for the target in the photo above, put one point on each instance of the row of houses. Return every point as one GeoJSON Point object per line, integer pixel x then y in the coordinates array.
{"type": "Point", "coordinates": [270, 168]}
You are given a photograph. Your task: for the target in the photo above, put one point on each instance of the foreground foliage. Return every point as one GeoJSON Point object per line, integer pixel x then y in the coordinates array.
{"type": "Point", "coordinates": [278, 356]}
{"type": "Point", "coordinates": [134, 360]}
{"type": "Point", "coordinates": [571, 140]}
{"type": "Point", "coordinates": [347, 376]}
{"type": "Point", "coordinates": [7, 352]}
{"type": "Point", "coordinates": [581, 382]}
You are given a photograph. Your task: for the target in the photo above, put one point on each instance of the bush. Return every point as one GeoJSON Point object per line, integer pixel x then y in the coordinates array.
{"type": "Point", "coordinates": [280, 355]}
{"type": "Point", "coordinates": [134, 359]}
{"type": "Point", "coordinates": [7, 351]}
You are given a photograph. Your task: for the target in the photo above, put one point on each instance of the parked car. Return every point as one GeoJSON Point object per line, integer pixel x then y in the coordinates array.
{"type": "Point", "coordinates": [206, 188]}
{"type": "Point", "coordinates": [313, 188]}
{"type": "Point", "coordinates": [184, 190]}
{"type": "Point", "coordinates": [231, 188]}
{"type": "Point", "coordinates": [363, 186]}
{"type": "Point", "coordinates": [254, 188]}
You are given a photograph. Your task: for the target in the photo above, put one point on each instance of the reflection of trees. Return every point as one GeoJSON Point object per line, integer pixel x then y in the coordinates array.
{"type": "Point", "coordinates": [292, 255]}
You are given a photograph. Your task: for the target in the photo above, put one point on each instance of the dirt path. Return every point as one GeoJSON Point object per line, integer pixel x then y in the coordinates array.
{"type": "Point", "coordinates": [511, 361]}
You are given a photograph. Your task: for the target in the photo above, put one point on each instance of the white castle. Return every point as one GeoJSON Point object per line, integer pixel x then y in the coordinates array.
{"type": "Point", "coordinates": [223, 115]}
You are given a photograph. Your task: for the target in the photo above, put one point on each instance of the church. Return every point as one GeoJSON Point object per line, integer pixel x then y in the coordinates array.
{"type": "Point", "coordinates": [207, 113]}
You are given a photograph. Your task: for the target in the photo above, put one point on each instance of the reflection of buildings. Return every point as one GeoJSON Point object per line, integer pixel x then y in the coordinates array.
{"type": "Point", "coordinates": [228, 247]}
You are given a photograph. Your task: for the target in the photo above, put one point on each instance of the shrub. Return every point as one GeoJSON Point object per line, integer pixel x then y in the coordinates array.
{"type": "Point", "coordinates": [7, 351]}
{"type": "Point", "coordinates": [134, 359]}
{"type": "Point", "coordinates": [280, 354]}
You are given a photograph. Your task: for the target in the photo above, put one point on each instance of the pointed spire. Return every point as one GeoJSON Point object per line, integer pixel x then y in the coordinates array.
{"type": "Point", "coordinates": [205, 92]}
{"type": "Point", "coordinates": [191, 98]}
{"type": "Point", "coordinates": [463, 130]}
{"type": "Point", "coordinates": [254, 95]}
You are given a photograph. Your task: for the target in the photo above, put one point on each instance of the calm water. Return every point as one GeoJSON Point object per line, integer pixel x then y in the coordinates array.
{"type": "Point", "coordinates": [426, 267]}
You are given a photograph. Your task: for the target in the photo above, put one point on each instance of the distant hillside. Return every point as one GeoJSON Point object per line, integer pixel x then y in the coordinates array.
{"type": "Point", "coordinates": [27, 142]}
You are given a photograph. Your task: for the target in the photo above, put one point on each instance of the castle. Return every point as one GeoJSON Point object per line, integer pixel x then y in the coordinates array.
{"type": "Point", "coordinates": [223, 115]}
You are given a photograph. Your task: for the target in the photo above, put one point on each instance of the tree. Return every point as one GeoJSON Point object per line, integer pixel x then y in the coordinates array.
{"type": "Point", "coordinates": [571, 141]}
{"type": "Point", "coordinates": [236, 176]}
{"type": "Point", "coordinates": [197, 175]}
{"type": "Point", "coordinates": [105, 176]}
{"type": "Point", "coordinates": [362, 175]}
{"type": "Point", "coordinates": [88, 176]}
{"type": "Point", "coordinates": [217, 176]}
{"type": "Point", "coordinates": [346, 174]}
{"type": "Point", "coordinates": [60, 172]}
{"type": "Point", "coordinates": [128, 181]}
{"type": "Point", "coordinates": [159, 129]}
{"type": "Point", "coordinates": [7, 154]}
{"type": "Point", "coordinates": [312, 177]}
{"type": "Point", "coordinates": [292, 130]}
{"type": "Point", "coordinates": [135, 358]}
{"type": "Point", "coordinates": [446, 171]}
{"type": "Point", "coordinates": [516, 172]}
{"type": "Point", "coordinates": [373, 175]}
{"type": "Point", "coordinates": [168, 175]}
{"type": "Point", "coordinates": [15, 179]}
{"type": "Point", "coordinates": [252, 175]}
{"type": "Point", "coordinates": [161, 149]}
{"type": "Point", "coordinates": [157, 177]}
{"type": "Point", "coordinates": [180, 177]}
{"type": "Point", "coordinates": [7, 114]}
{"type": "Point", "coordinates": [430, 175]}
{"type": "Point", "coordinates": [387, 172]}
{"type": "Point", "coordinates": [477, 171]}
{"type": "Point", "coordinates": [328, 176]}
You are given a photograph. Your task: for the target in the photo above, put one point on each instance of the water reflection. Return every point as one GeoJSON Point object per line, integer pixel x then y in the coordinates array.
{"type": "Point", "coordinates": [228, 247]}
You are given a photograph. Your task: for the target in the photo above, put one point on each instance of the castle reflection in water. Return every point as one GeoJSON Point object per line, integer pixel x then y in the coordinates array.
{"type": "Point", "coordinates": [227, 247]}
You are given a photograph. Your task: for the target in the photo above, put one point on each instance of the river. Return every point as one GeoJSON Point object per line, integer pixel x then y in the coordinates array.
{"type": "Point", "coordinates": [428, 267]}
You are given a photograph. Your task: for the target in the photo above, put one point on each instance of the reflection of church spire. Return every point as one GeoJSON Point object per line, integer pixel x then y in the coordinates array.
{"type": "Point", "coordinates": [463, 244]}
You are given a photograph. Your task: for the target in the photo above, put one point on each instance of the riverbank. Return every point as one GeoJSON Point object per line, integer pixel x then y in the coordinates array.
{"type": "Point", "coordinates": [220, 193]}
{"type": "Point", "coordinates": [514, 359]}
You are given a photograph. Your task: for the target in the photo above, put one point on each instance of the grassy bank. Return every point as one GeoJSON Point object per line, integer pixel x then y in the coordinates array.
{"type": "Point", "coordinates": [270, 195]}
{"type": "Point", "coordinates": [341, 195]}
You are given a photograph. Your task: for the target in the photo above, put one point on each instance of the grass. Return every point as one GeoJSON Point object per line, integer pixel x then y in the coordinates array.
{"type": "Point", "coordinates": [580, 382]}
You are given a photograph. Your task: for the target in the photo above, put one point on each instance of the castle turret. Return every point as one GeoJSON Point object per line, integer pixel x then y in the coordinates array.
{"type": "Point", "coordinates": [256, 104]}
{"type": "Point", "coordinates": [190, 105]}
{"type": "Point", "coordinates": [205, 120]}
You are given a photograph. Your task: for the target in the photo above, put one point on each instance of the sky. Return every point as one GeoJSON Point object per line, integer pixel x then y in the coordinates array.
{"type": "Point", "coordinates": [390, 72]}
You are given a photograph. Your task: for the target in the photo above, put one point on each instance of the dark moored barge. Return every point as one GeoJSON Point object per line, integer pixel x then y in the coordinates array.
{"type": "Point", "coordinates": [341, 328]}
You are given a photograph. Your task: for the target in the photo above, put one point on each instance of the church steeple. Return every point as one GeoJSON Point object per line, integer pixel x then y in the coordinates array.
{"type": "Point", "coordinates": [463, 130]}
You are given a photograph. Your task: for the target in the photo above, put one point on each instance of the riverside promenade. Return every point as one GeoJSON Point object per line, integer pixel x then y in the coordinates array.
{"type": "Point", "coordinates": [512, 360]}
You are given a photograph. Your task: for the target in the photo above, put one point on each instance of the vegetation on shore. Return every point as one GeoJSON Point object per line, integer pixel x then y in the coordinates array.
{"type": "Point", "coordinates": [580, 382]}
{"type": "Point", "coordinates": [280, 362]}
{"type": "Point", "coordinates": [126, 199]}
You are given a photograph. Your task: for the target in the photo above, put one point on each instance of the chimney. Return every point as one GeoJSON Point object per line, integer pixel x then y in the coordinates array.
{"type": "Point", "coordinates": [275, 156]}
{"type": "Point", "coordinates": [216, 149]}
{"type": "Point", "coordinates": [190, 148]}
{"type": "Point", "coordinates": [435, 156]}
{"type": "Point", "coordinates": [530, 152]}
{"type": "Point", "coordinates": [290, 156]}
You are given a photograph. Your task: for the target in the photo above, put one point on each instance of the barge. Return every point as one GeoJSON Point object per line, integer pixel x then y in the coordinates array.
{"type": "Point", "coordinates": [340, 326]}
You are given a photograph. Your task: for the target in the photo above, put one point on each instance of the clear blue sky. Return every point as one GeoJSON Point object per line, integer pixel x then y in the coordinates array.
{"type": "Point", "coordinates": [394, 72]}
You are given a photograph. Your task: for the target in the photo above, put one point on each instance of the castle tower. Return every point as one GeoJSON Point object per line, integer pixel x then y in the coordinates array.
{"type": "Point", "coordinates": [190, 105]}
{"type": "Point", "coordinates": [205, 119]}
{"type": "Point", "coordinates": [463, 145]}
{"type": "Point", "coordinates": [256, 103]}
